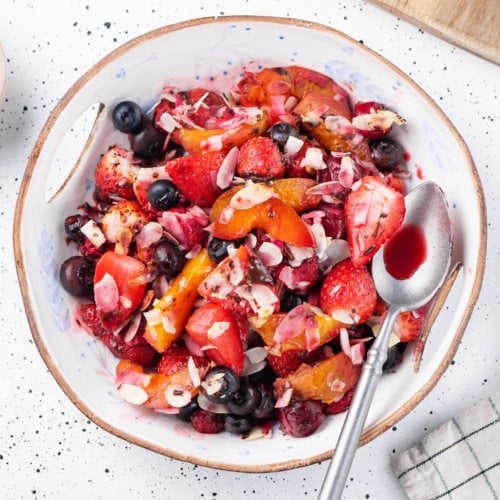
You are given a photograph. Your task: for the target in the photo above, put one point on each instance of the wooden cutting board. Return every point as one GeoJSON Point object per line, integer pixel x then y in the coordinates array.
{"type": "Point", "coordinates": [471, 24]}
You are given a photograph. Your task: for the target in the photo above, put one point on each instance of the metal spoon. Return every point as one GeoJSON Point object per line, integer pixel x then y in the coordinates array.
{"type": "Point", "coordinates": [426, 208]}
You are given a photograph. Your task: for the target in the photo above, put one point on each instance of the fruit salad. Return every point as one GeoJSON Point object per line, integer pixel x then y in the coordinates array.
{"type": "Point", "coordinates": [225, 256]}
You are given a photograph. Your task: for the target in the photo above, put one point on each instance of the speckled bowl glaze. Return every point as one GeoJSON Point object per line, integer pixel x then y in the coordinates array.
{"type": "Point", "coordinates": [3, 74]}
{"type": "Point", "coordinates": [212, 52]}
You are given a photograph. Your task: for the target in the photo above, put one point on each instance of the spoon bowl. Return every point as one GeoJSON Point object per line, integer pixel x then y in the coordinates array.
{"type": "Point", "coordinates": [426, 208]}
{"type": "Point", "coordinates": [427, 211]}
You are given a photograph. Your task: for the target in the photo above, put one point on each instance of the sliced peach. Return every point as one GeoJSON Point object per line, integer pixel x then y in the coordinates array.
{"type": "Point", "coordinates": [292, 190]}
{"type": "Point", "coordinates": [327, 380]}
{"type": "Point", "coordinates": [156, 390]}
{"type": "Point", "coordinates": [167, 319]}
{"type": "Point", "coordinates": [327, 329]}
{"type": "Point", "coordinates": [274, 216]}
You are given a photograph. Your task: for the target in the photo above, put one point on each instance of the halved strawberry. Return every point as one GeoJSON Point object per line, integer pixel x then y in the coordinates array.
{"type": "Point", "coordinates": [196, 176]}
{"type": "Point", "coordinates": [216, 329]}
{"type": "Point", "coordinates": [348, 293]}
{"type": "Point", "coordinates": [261, 158]}
{"type": "Point", "coordinates": [374, 211]}
{"type": "Point", "coordinates": [176, 357]}
{"type": "Point", "coordinates": [114, 175]}
{"type": "Point", "coordinates": [118, 288]}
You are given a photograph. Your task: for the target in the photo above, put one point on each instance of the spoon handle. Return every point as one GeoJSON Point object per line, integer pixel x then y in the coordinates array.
{"type": "Point", "coordinates": [335, 479]}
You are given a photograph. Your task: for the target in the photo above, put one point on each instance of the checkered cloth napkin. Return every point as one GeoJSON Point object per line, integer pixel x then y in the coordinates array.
{"type": "Point", "coordinates": [458, 460]}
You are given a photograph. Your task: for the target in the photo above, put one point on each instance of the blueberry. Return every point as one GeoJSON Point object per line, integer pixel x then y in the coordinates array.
{"type": "Point", "coordinates": [168, 258]}
{"type": "Point", "coordinates": [281, 131]}
{"type": "Point", "coordinates": [163, 194]}
{"type": "Point", "coordinates": [290, 301]}
{"type": "Point", "coordinates": [186, 412]}
{"type": "Point", "coordinates": [244, 401]}
{"type": "Point", "coordinates": [217, 248]}
{"type": "Point", "coordinates": [387, 154]}
{"type": "Point", "coordinates": [220, 384]}
{"type": "Point", "coordinates": [237, 425]}
{"type": "Point", "coordinates": [77, 276]}
{"type": "Point", "coordinates": [148, 143]}
{"type": "Point", "coordinates": [127, 117]}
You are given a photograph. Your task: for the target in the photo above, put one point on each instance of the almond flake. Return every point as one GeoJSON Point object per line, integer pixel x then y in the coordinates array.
{"type": "Point", "coordinates": [93, 232]}
{"type": "Point", "coordinates": [153, 317]}
{"type": "Point", "coordinates": [217, 329]}
{"type": "Point", "coordinates": [228, 166]}
{"type": "Point", "coordinates": [270, 254]}
{"type": "Point", "coordinates": [343, 316]}
{"type": "Point", "coordinates": [285, 398]}
{"type": "Point", "coordinates": [256, 354]}
{"type": "Point", "coordinates": [313, 159]}
{"type": "Point", "coordinates": [293, 145]}
{"type": "Point", "coordinates": [252, 194]}
{"type": "Point", "coordinates": [177, 396]}
{"type": "Point", "coordinates": [133, 394]}
{"type": "Point", "coordinates": [168, 123]}
{"type": "Point", "coordinates": [194, 374]}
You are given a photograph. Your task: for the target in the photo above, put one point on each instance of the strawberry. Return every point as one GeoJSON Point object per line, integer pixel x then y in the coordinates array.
{"type": "Point", "coordinates": [348, 293]}
{"type": "Point", "coordinates": [195, 176]}
{"type": "Point", "coordinates": [119, 288]}
{"type": "Point", "coordinates": [114, 176]}
{"type": "Point", "coordinates": [374, 211]}
{"type": "Point", "coordinates": [216, 329]}
{"type": "Point", "coordinates": [136, 349]}
{"type": "Point", "coordinates": [408, 325]}
{"type": "Point", "coordinates": [261, 158]}
{"type": "Point", "coordinates": [176, 357]}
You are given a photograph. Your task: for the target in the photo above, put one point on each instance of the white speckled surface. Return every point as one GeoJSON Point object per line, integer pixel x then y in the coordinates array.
{"type": "Point", "coordinates": [48, 449]}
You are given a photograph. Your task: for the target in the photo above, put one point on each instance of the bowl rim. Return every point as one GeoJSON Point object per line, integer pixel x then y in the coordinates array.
{"type": "Point", "coordinates": [370, 433]}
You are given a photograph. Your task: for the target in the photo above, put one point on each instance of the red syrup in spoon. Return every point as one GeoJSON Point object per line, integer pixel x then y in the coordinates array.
{"type": "Point", "coordinates": [405, 252]}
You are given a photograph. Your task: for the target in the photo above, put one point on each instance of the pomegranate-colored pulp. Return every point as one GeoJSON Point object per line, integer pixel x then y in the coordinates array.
{"type": "Point", "coordinates": [405, 252]}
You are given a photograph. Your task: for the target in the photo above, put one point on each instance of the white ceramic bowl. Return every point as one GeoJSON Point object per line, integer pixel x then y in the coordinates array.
{"type": "Point", "coordinates": [53, 186]}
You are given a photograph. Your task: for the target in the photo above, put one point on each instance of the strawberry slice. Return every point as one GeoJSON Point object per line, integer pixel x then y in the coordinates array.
{"type": "Point", "coordinates": [216, 330]}
{"type": "Point", "coordinates": [118, 288]}
{"type": "Point", "coordinates": [114, 176]}
{"type": "Point", "coordinates": [374, 211]}
{"type": "Point", "coordinates": [177, 357]}
{"type": "Point", "coordinates": [261, 158]}
{"type": "Point", "coordinates": [196, 176]}
{"type": "Point", "coordinates": [348, 293]}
